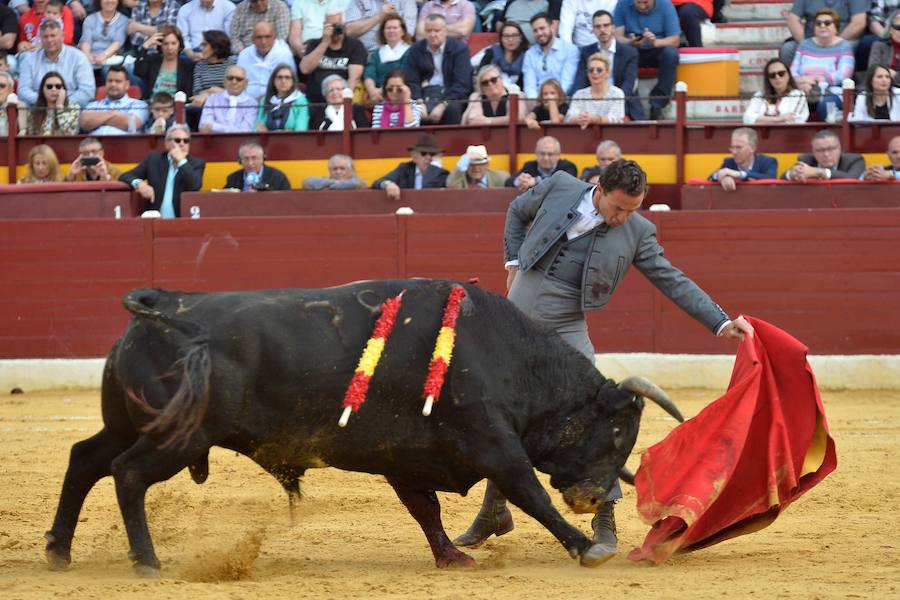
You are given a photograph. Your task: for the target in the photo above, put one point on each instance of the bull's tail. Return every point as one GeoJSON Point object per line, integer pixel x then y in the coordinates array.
{"type": "Point", "coordinates": [184, 413]}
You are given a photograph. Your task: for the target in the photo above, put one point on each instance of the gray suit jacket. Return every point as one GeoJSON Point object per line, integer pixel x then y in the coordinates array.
{"type": "Point", "coordinates": [551, 207]}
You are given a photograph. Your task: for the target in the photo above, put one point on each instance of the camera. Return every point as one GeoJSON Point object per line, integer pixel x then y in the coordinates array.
{"type": "Point", "coordinates": [337, 29]}
{"type": "Point", "coordinates": [90, 161]}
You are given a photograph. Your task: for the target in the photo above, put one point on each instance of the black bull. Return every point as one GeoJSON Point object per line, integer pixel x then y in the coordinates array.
{"type": "Point", "coordinates": [264, 374]}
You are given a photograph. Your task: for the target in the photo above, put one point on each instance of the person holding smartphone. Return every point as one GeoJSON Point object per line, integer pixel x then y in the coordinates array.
{"type": "Point", "coordinates": [90, 164]}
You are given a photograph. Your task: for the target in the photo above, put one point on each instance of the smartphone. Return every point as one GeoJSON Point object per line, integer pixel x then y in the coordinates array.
{"type": "Point", "coordinates": [90, 161]}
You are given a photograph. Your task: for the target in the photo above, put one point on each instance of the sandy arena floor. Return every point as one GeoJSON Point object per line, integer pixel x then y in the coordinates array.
{"type": "Point", "coordinates": [231, 537]}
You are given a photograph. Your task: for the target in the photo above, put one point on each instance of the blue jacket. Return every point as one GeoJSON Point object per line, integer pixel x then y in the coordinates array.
{"type": "Point", "coordinates": [625, 71]}
{"type": "Point", "coordinates": [457, 69]}
{"type": "Point", "coordinates": [763, 167]}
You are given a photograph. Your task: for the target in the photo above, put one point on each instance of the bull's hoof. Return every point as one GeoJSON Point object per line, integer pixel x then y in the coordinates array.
{"type": "Point", "coordinates": [454, 559]}
{"type": "Point", "coordinates": [147, 571]}
{"type": "Point", "coordinates": [57, 561]}
{"type": "Point", "coordinates": [597, 554]}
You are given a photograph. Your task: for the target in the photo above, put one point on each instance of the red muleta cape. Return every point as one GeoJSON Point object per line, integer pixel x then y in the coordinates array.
{"type": "Point", "coordinates": [734, 467]}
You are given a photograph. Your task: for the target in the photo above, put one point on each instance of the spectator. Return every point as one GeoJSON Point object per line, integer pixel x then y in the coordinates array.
{"type": "Point", "coordinates": [283, 107]}
{"type": "Point", "coordinates": [331, 117]}
{"type": "Point", "coordinates": [459, 15]}
{"type": "Point", "coordinates": [803, 14]}
{"type": "Point", "coordinates": [607, 153]}
{"type": "Point", "coordinates": [341, 176]}
{"type": "Point", "coordinates": [335, 53]}
{"type": "Point", "coordinates": [827, 161]}
{"type": "Point", "coordinates": [9, 29]}
{"type": "Point", "coordinates": [41, 12]}
{"type": "Point", "coordinates": [232, 110]}
{"type": "Point", "coordinates": [103, 34]}
{"type": "Point", "coordinates": [117, 113]}
{"type": "Point", "coordinates": [442, 90]}
{"type": "Point", "coordinates": [366, 18]}
{"type": "Point", "coordinates": [821, 64]}
{"type": "Point", "coordinates": [549, 161]}
{"type": "Point", "coordinates": [691, 13]}
{"type": "Point", "coordinates": [54, 113]}
{"type": "Point", "coordinates": [260, 59]}
{"type": "Point", "coordinates": [6, 87]}
{"type": "Point", "coordinates": [488, 105]}
{"type": "Point", "coordinates": [472, 171]}
{"type": "Point", "coordinates": [520, 12]}
{"type": "Point", "coordinates": [781, 101]}
{"type": "Point", "coordinates": [419, 173]}
{"type": "Point", "coordinates": [90, 165]}
{"type": "Point", "coordinates": [209, 72]}
{"type": "Point", "coordinates": [167, 70]}
{"type": "Point", "coordinates": [69, 62]}
{"type": "Point", "coordinates": [167, 174]}
{"type": "Point", "coordinates": [624, 61]}
{"type": "Point", "coordinates": [307, 19]}
{"type": "Point", "coordinates": [551, 108]}
{"type": "Point", "coordinates": [162, 114]}
{"type": "Point", "coordinates": [601, 102]}
{"type": "Point", "coordinates": [398, 109]}
{"type": "Point", "coordinates": [745, 164]}
{"type": "Point", "coordinates": [43, 166]}
{"type": "Point", "coordinates": [652, 27]}
{"type": "Point", "coordinates": [249, 13]}
{"type": "Point", "coordinates": [887, 51]}
{"type": "Point", "coordinates": [890, 170]}
{"type": "Point", "coordinates": [391, 55]}
{"type": "Point", "coordinates": [198, 16]}
{"type": "Point", "coordinates": [256, 176]}
{"type": "Point", "coordinates": [147, 17]}
{"type": "Point", "coordinates": [550, 57]}
{"type": "Point", "coordinates": [575, 24]}
{"type": "Point", "coordinates": [879, 101]}
{"type": "Point", "coordinates": [509, 54]}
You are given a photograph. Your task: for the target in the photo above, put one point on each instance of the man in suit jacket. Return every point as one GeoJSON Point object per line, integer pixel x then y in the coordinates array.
{"type": "Point", "coordinates": [567, 246]}
{"type": "Point", "coordinates": [167, 174]}
{"type": "Point", "coordinates": [417, 174]}
{"type": "Point", "coordinates": [256, 176]}
{"type": "Point", "coordinates": [624, 60]}
{"type": "Point", "coordinates": [472, 171]}
{"type": "Point", "coordinates": [549, 161]}
{"type": "Point", "coordinates": [826, 161]}
{"type": "Point", "coordinates": [745, 164]}
{"type": "Point", "coordinates": [443, 92]}
{"type": "Point", "coordinates": [890, 170]}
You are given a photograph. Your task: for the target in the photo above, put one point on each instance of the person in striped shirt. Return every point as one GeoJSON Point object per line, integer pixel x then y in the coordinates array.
{"type": "Point", "coordinates": [821, 63]}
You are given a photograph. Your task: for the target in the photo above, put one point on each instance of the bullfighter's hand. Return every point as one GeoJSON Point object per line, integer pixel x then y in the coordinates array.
{"type": "Point", "coordinates": [737, 329]}
{"type": "Point", "coordinates": [510, 276]}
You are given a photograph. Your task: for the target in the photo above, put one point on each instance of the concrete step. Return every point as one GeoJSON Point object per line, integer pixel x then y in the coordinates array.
{"type": "Point", "coordinates": [756, 10]}
{"type": "Point", "coordinates": [756, 58]}
{"type": "Point", "coordinates": [751, 81]}
{"type": "Point", "coordinates": [756, 33]}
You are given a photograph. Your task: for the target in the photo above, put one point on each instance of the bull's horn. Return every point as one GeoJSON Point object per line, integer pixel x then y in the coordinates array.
{"type": "Point", "coordinates": [626, 475]}
{"type": "Point", "coordinates": [651, 391]}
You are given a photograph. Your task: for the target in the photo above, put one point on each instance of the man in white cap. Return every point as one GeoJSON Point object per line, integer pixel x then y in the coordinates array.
{"type": "Point", "coordinates": [472, 171]}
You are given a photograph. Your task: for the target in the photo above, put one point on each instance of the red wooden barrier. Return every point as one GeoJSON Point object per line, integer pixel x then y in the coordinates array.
{"type": "Point", "coordinates": [106, 200]}
{"type": "Point", "coordinates": [704, 195]}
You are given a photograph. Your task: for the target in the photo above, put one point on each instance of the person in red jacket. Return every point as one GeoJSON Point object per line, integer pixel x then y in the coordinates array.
{"type": "Point", "coordinates": [30, 22]}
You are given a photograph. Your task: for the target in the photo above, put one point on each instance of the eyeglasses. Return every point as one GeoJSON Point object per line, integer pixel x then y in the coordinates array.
{"type": "Point", "coordinates": [597, 70]}
{"type": "Point", "coordinates": [291, 77]}
{"type": "Point", "coordinates": [181, 140]}
{"type": "Point", "coordinates": [426, 153]}
{"type": "Point", "coordinates": [394, 88]}
{"type": "Point", "coordinates": [490, 81]}
{"type": "Point", "coordinates": [53, 86]}
{"type": "Point", "coordinates": [824, 22]}
{"type": "Point", "coordinates": [510, 36]}
{"type": "Point", "coordinates": [3, 86]}
{"type": "Point", "coordinates": [105, 29]}
{"type": "Point", "coordinates": [234, 78]}
{"type": "Point", "coordinates": [828, 149]}
{"type": "Point", "coordinates": [777, 74]}
{"type": "Point", "coordinates": [896, 26]}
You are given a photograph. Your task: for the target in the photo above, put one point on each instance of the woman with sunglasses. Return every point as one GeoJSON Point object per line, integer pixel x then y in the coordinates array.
{"type": "Point", "coordinates": [331, 117]}
{"type": "Point", "coordinates": [166, 70]}
{"type": "Point", "coordinates": [390, 55]}
{"type": "Point", "coordinates": [509, 54]}
{"type": "Point", "coordinates": [887, 50]}
{"type": "Point", "coordinates": [489, 104]}
{"type": "Point", "coordinates": [781, 101]}
{"type": "Point", "coordinates": [43, 166]}
{"type": "Point", "coordinates": [601, 102]}
{"type": "Point", "coordinates": [54, 113]}
{"type": "Point", "coordinates": [552, 108]}
{"type": "Point", "coordinates": [398, 110]}
{"type": "Point", "coordinates": [822, 63]}
{"type": "Point", "coordinates": [103, 34]}
{"type": "Point", "coordinates": [284, 107]}
{"type": "Point", "coordinates": [879, 101]}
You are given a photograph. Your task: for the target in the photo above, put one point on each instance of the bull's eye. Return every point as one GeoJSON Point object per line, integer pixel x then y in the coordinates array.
{"type": "Point", "coordinates": [616, 431]}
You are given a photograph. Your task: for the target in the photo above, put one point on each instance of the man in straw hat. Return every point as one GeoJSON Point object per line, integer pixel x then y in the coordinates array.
{"type": "Point", "coordinates": [472, 171]}
{"type": "Point", "coordinates": [417, 174]}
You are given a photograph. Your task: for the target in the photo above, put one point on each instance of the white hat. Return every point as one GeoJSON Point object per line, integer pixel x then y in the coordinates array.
{"type": "Point", "coordinates": [477, 155]}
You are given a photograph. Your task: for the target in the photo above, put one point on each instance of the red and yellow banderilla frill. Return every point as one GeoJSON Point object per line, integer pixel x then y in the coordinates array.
{"type": "Point", "coordinates": [443, 349]}
{"type": "Point", "coordinates": [359, 383]}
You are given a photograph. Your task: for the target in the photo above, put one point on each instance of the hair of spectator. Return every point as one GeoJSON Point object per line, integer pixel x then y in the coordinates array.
{"type": "Point", "coordinates": [523, 40]}
{"type": "Point", "coordinates": [824, 134]}
{"type": "Point", "coordinates": [270, 88]}
{"type": "Point", "coordinates": [554, 83]}
{"type": "Point", "coordinates": [117, 69]}
{"type": "Point", "coordinates": [548, 138]}
{"type": "Point", "coordinates": [182, 127]}
{"type": "Point", "coordinates": [601, 13]}
{"type": "Point", "coordinates": [88, 141]}
{"type": "Point", "coordinates": [767, 83]}
{"type": "Point", "coordinates": [9, 79]}
{"type": "Point", "coordinates": [164, 98]}
{"type": "Point", "coordinates": [60, 4]}
{"type": "Point", "coordinates": [540, 15]}
{"type": "Point", "coordinates": [870, 91]}
{"type": "Point", "coordinates": [219, 43]}
{"type": "Point", "coordinates": [331, 79]}
{"type": "Point", "coordinates": [625, 175]}
{"type": "Point", "coordinates": [752, 138]}
{"type": "Point", "coordinates": [48, 153]}
{"type": "Point", "coordinates": [395, 74]}
{"type": "Point", "coordinates": [490, 68]}
{"type": "Point", "coordinates": [49, 24]}
{"type": "Point", "coordinates": [889, 22]}
{"type": "Point", "coordinates": [384, 21]}
{"type": "Point", "coordinates": [608, 145]}
{"type": "Point", "coordinates": [830, 12]}
{"type": "Point", "coordinates": [96, 3]}
{"type": "Point", "coordinates": [337, 157]}
{"type": "Point", "coordinates": [602, 57]}
{"type": "Point", "coordinates": [167, 30]}
{"type": "Point", "coordinates": [436, 17]}
{"type": "Point", "coordinates": [250, 144]}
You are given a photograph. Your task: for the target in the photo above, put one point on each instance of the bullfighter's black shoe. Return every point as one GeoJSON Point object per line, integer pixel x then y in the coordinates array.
{"type": "Point", "coordinates": [604, 526]}
{"type": "Point", "coordinates": [493, 519]}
